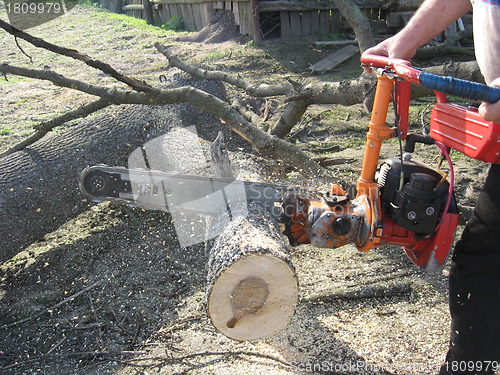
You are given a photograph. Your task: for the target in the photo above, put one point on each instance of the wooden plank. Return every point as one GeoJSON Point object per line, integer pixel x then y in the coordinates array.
{"type": "Point", "coordinates": [398, 19]}
{"type": "Point", "coordinates": [167, 12]}
{"type": "Point", "coordinates": [408, 4]}
{"type": "Point", "coordinates": [325, 22]}
{"type": "Point", "coordinates": [195, 8]}
{"type": "Point", "coordinates": [335, 59]}
{"type": "Point", "coordinates": [295, 24]}
{"type": "Point", "coordinates": [277, 6]}
{"type": "Point", "coordinates": [335, 21]}
{"type": "Point", "coordinates": [315, 22]}
{"type": "Point", "coordinates": [175, 9]}
{"type": "Point", "coordinates": [228, 5]}
{"type": "Point", "coordinates": [236, 12]}
{"type": "Point", "coordinates": [246, 27]}
{"type": "Point", "coordinates": [286, 29]}
{"type": "Point", "coordinates": [219, 5]}
{"type": "Point", "coordinates": [243, 18]}
{"type": "Point", "coordinates": [187, 15]}
{"type": "Point", "coordinates": [133, 7]}
{"type": "Point", "coordinates": [305, 20]}
{"type": "Point", "coordinates": [207, 12]}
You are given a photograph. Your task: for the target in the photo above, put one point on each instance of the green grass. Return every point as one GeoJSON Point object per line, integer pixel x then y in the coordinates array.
{"type": "Point", "coordinates": [12, 79]}
{"type": "Point", "coordinates": [216, 55]}
{"type": "Point", "coordinates": [176, 23]}
{"type": "Point", "coordinates": [328, 37]}
{"type": "Point", "coordinates": [124, 22]}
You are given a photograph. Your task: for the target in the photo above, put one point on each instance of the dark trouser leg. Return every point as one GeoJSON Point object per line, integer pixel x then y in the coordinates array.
{"type": "Point", "coordinates": [475, 288]}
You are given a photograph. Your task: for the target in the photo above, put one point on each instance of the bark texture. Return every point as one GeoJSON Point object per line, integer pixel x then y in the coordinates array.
{"type": "Point", "coordinates": [358, 22]}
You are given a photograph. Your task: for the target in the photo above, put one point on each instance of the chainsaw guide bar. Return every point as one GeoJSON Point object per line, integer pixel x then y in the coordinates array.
{"type": "Point", "coordinates": [175, 192]}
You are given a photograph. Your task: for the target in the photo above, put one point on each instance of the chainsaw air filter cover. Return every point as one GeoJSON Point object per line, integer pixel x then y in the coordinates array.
{"type": "Point", "coordinates": [416, 207]}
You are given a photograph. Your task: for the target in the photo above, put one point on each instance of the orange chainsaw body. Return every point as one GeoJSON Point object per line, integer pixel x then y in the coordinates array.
{"type": "Point", "coordinates": [381, 214]}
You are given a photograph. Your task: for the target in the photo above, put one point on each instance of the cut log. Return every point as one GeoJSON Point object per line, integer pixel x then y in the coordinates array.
{"type": "Point", "coordinates": [252, 288]}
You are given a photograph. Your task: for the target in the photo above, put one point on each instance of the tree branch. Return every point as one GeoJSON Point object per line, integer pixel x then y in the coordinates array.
{"type": "Point", "coordinates": [45, 127]}
{"type": "Point", "coordinates": [106, 68]}
{"type": "Point", "coordinates": [251, 89]}
{"type": "Point", "coordinates": [57, 305]}
{"type": "Point", "coordinates": [210, 354]}
{"type": "Point", "coordinates": [260, 140]}
{"type": "Point", "coordinates": [248, 114]}
{"type": "Point", "coordinates": [115, 355]}
{"type": "Point", "coordinates": [290, 117]}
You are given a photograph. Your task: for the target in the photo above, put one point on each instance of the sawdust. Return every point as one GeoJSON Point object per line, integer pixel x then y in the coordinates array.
{"type": "Point", "coordinates": [112, 292]}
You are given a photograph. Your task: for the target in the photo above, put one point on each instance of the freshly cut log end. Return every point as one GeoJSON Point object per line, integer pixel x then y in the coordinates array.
{"type": "Point", "coordinates": [252, 285]}
{"type": "Point", "coordinates": [253, 299]}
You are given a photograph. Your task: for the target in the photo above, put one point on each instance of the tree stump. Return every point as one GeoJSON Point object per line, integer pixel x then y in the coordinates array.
{"type": "Point", "coordinates": [252, 288]}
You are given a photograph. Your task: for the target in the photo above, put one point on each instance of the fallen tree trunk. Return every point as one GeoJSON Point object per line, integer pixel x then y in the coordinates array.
{"type": "Point", "coordinates": [252, 289]}
{"type": "Point", "coordinates": [39, 184]}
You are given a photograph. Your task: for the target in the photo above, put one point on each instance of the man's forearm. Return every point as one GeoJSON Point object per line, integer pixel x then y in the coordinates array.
{"type": "Point", "coordinates": [431, 19]}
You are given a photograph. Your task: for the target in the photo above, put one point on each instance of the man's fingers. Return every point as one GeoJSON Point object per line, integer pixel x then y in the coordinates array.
{"type": "Point", "coordinates": [490, 112]}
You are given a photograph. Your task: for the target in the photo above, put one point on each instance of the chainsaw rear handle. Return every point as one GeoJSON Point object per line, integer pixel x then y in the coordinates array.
{"type": "Point", "coordinates": [446, 84]}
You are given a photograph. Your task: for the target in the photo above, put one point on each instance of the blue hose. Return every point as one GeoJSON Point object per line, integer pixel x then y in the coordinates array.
{"type": "Point", "coordinates": [460, 87]}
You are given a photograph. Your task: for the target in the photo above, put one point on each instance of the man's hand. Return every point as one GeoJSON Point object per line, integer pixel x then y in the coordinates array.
{"type": "Point", "coordinates": [491, 111]}
{"type": "Point", "coordinates": [394, 47]}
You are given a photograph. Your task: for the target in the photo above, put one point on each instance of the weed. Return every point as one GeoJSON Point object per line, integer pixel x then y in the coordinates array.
{"type": "Point", "coordinates": [176, 23]}
{"type": "Point", "coordinates": [12, 80]}
{"type": "Point", "coordinates": [21, 101]}
{"type": "Point", "coordinates": [334, 36]}
{"type": "Point", "coordinates": [5, 131]}
{"type": "Point", "coordinates": [249, 44]}
{"type": "Point", "coordinates": [217, 55]}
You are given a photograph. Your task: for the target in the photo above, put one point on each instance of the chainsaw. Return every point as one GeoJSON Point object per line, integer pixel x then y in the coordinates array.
{"type": "Point", "coordinates": [399, 202]}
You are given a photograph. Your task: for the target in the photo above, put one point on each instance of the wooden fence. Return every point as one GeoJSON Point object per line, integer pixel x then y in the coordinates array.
{"type": "Point", "coordinates": [278, 19]}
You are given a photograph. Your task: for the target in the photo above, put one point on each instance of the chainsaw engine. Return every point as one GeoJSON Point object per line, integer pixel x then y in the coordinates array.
{"type": "Point", "coordinates": [412, 195]}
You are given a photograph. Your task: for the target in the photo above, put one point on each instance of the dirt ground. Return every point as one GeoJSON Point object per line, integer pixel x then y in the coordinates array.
{"type": "Point", "coordinates": [112, 292]}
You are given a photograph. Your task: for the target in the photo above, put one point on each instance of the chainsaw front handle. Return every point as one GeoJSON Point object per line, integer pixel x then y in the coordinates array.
{"type": "Point", "coordinates": [446, 84]}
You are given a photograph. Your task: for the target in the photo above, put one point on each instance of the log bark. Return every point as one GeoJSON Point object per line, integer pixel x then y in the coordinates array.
{"type": "Point", "coordinates": [220, 157]}
{"type": "Point", "coordinates": [252, 288]}
{"type": "Point", "coordinates": [358, 22]}
{"type": "Point", "coordinates": [290, 117]}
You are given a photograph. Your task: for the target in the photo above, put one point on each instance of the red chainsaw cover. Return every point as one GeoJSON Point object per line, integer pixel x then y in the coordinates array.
{"type": "Point", "coordinates": [429, 254]}
{"type": "Point", "coordinates": [464, 130]}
